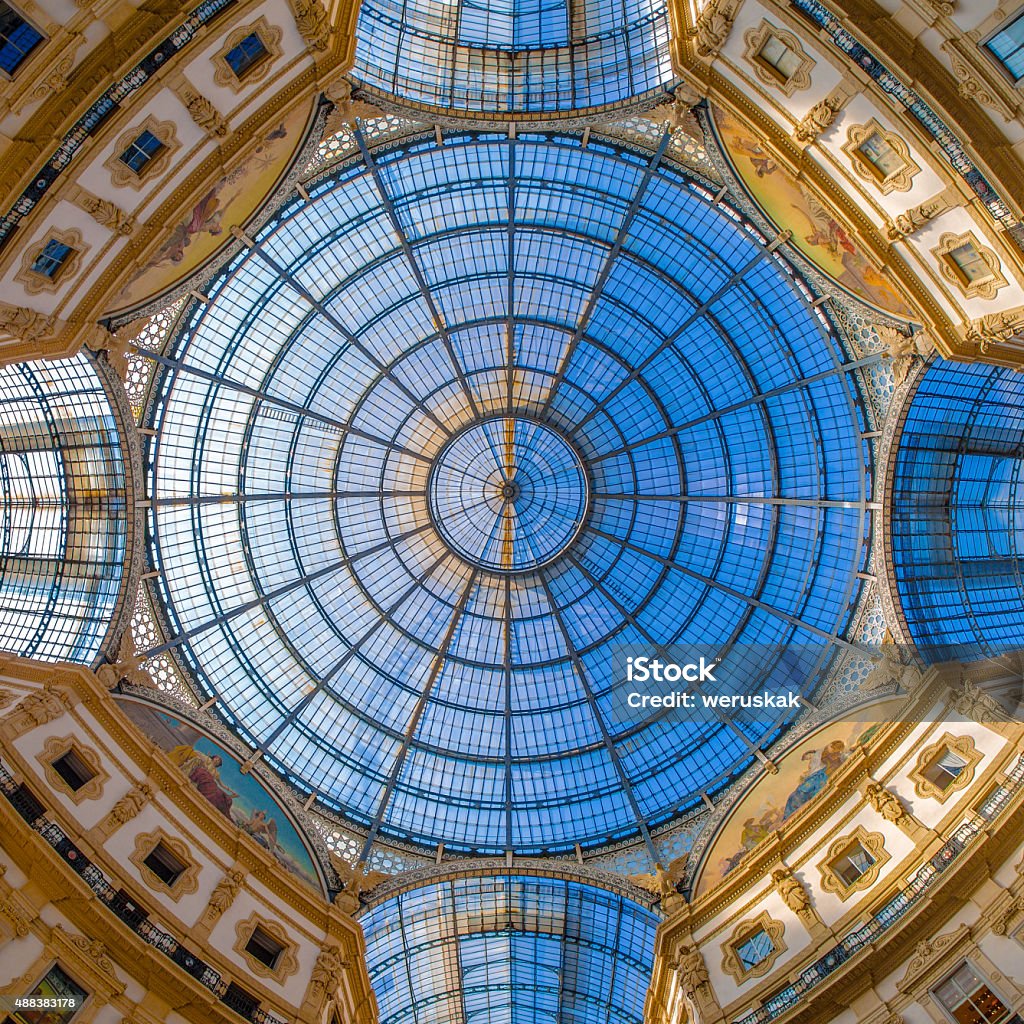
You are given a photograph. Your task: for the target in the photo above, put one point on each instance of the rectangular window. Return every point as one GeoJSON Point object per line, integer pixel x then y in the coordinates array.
{"type": "Point", "coordinates": [246, 55]}
{"type": "Point", "coordinates": [52, 257]}
{"type": "Point", "coordinates": [1007, 46]}
{"type": "Point", "coordinates": [17, 38]}
{"type": "Point", "coordinates": [968, 999]}
{"type": "Point", "coordinates": [754, 948]}
{"type": "Point", "coordinates": [968, 263]}
{"type": "Point", "coordinates": [264, 947]}
{"type": "Point", "coordinates": [164, 864]}
{"type": "Point", "coordinates": [55, 985]}
{"type": "Point", "coordinates": [73, 770]}
{"type": "Point", "coordinates": [853, 862]}
{"type": "Point", "coordinates": [779, 57]}
{"type": "Point", "coordinates": [141, 152]}
{"type": "Point", "coordinates": [879, 157]}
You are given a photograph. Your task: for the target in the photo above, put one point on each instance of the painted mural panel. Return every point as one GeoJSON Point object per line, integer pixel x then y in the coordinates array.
{"type": "Point", "coordinates": [232, 199]}
{"type": "Point", "coordinates": [804, 772]}
{"type": "Point", "coordinates": [217, 775]}
{"type": "Point", "coordinates": [790, 203]}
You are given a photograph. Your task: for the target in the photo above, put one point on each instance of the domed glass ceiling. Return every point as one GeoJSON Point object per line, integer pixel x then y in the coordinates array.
{"type": "Point", "coordinates": [509, 949]}
{"type": "Point", "coordinates": [457, 428]}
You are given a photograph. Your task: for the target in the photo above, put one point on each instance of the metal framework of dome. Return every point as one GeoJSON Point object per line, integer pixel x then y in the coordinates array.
{"type": "Point", "coordinates": [454, 432]}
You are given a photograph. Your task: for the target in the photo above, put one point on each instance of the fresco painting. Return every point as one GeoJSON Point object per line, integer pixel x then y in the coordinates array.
{"type": "Point", "coordinates": [816, 232]}
{"type": "Point", "coordinates": [232, 199]}
{"type": "Point", "coordinates": [804, 772]}
{"type": "Point", "coordinates": [217, 776]}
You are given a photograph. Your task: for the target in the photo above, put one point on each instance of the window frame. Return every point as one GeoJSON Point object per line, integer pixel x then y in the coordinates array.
{"type": "Point", "coordinates": [269, 35]}
{"type": "Point", "coordinates": [1010, 20]}
{"type": "Point", "coordinates": [873, 843]}
{"type": "Point", "coordinates": [984, 982]}
{"type": "Point", "coordinates": [29, 54]}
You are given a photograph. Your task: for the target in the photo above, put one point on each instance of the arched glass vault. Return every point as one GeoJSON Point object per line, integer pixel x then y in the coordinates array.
{"type": "Point", "coordinates": [522, 56]}
{"type": "Point", "coordinates": [456, 429]}
{"type": "Point", "coordinates": [63, 541]}
{"type": "Point", "coordinates": [957, 526]}
{"type": "Point", "coordinates": [509, 949]}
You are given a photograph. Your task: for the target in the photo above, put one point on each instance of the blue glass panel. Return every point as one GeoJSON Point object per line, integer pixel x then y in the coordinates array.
{"type": "Point", "coordinates": [957, 526]}
{"type": "Point", "coordinates": [1007, 45]}
{"type": "Point", "coordinates": [505, 55]}
{"type": "Point", "coordinates": [474, 460]}
{"type": "Point", "coordinates": [510, 949]}
{"type": "Point", "coordinates": [17, 38]}
{"type": "Point", "coordinates": [249, 52]}
{"type": "Point", "coordinates": [62, 546]}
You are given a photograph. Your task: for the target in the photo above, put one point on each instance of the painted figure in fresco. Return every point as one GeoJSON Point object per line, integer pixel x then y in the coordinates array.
{"type": "Point", "coordinates": [821, 764]}
{"type": "Point", "coordinates": [203, 771]}
{"type": "Point", "coordinates": [264, 831]}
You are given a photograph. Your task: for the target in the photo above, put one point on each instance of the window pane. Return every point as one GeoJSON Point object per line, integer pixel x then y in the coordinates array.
{"type": "Point", "coordinates": [1007, 46]}
{"type": "Point", "coordinates": [17, 38]}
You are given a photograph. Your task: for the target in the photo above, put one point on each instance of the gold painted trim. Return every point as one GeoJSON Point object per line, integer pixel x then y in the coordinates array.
{"type": "Point", "coordinates": [898, 181]}
{"type": "Point", "coordinates": [56, 747]}
{"type": "Point", "coordinates": [287, 962]}
{"type": "Point", "coordinates": [121, 174]}
{"type": "Point", "coordinates": [269, 36]}
{"type": "Point", "coordinates": [731, 963]}
{"type": "Point", "coordinates": [873, 842]}
{"type": "Point", "coordinates": [755, 38]}
{"type": "Point", "coordinates": [962, 745]}
{"type": "Point", "coordinates": [985, 288]}
{"type": "Point", "coordinates": [34, 282]}
{"type": "Point", "coordinates": [145, 844]}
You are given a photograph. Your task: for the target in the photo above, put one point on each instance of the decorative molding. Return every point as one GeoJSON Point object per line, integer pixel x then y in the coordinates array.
{"type": "Point", "coordinates": [820, 117]}
{"type": "Point", "coordinates": [714, 26]}
{"type": "Point", "coordinates": [731, 964]}
{"type": "Point", "coordinates": [755, 38]}
{"type": "Point", "coordinates": [986, 287]}
{"type": "Point", "coordinates": [37, 708]}
{"type": "Point", "coordinates": [186, 882]}
{"type": "Point", "coordinates": [56, 747]}
{"type": "Point", "coordinates": [971, 83]}
{"type": "Point", "coordinates": [202, 111]}
{"type": "Point", "coordinates": [873, 843]}
{"type": "Point", "coordinates": [797, 899]}
{"type": "Point", "coordinates": [903, 350]}
{"type": "Point", "coordinates": [223, 895]}
{"type": "Point", "coordinates": [270, 37]}
{"type": "Point", "coordinates": [126, 808]}
{"type": "Point", "coordinates": [1003, 919]}
{"type": "Point", "coordinates": [32, 281]}
{"type": "Point", "coordinates": [928, 951]}
{"type": "Point", "coordinates": [312, 22]}
{"type": "Point", "coordinates": [103, 211]}
{"type": "Point", "coordinates": [121, 174]}
{"type": "Point", "coordinates": [287, 961]}
{"type": "Point", "coordinates": [905, 224]}
{"type": "Point", "coordinates": [996, 329]}
{"type": "Point", "coordinates": [897, 181]}
{"type": "Point", "coordinates": [960, 745]}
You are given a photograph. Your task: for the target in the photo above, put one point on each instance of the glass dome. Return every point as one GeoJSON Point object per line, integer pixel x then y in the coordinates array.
{"type": "Point", "coordinates": [457, 429]}
{"type": "Point", "coordinates": [62, 547]}
{"type": "Point", "coordinates": [498, 56]}
{"type": "Point", "coordinates": [957, 531]}
{"type": "Point", "coordinates": [510, 949]}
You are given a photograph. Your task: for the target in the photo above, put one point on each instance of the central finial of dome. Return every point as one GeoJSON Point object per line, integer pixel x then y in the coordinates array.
{"type": "Point", "coordinates": [508, 494]}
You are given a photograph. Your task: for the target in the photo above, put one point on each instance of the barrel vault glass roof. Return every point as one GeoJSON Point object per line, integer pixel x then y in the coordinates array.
{"type": "Point", "coordinates": [509, 949]}
{"type": "Point", "coordinates": [667, 433]}
{"type": "Point", "coordinates": [62, 546]}
{"type": "Point", "coordinates": [514, 55]}
{"type": "Point", "coordinates": [957, 524]}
